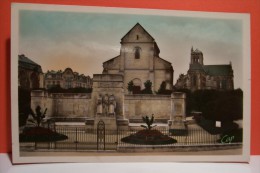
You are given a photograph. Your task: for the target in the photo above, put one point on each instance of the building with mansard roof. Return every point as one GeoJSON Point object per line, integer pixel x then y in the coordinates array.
{"type": "Point", "coordinates": [200, 76]}
{"type": "Point", "coordinates": [66, 79]}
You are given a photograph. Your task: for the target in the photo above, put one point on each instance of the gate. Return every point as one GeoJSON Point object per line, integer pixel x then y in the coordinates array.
{"type": "Point", "coordinates": [101, 140]}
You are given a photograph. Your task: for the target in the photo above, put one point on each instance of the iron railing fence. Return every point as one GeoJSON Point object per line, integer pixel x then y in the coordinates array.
{"type": "Point", "coordinates": [82, 138]}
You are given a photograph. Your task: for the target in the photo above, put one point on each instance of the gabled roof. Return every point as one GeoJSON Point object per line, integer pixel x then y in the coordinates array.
{"type": "Point", "coordinates": [111, 59]}
{"type": "Point", "coordinates": [164, 60]}
{"type": "Point", "coordinates": [136, 25]}
{"type": "Point", "coordinates": [218, 70]}
{"type": "Point", "coordinates": [213, 70]}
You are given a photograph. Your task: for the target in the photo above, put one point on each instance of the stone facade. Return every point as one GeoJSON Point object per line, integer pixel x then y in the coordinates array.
{"type": "Point", "coordinates": [139, 61]}
{"type": "Point", "coordinates": [30, 75]}
{"type": "Point", "coordinates": [200, 76]}
{"type": "Point", "coordinates": [66, 79]}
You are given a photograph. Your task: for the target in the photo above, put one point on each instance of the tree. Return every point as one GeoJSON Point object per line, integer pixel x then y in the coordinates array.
{"type": "Point", "coordinates": [163, 90]}
{"type": "Point", "coordinates": [214, 104]}
{"type": "Point", "coordinates": [227, 106]}
{"type": "Point", "coordinates": [148, 87]}
{"type": "Point", "coordinates": [130, 86]}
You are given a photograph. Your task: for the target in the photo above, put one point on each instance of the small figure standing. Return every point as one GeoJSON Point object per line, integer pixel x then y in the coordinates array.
{"type": "Point", "coordinates": [112, 105]}
{"type": "Point", "coordinates": [105, 105]}
{"type": "Point", "coordinates": [99, 105]}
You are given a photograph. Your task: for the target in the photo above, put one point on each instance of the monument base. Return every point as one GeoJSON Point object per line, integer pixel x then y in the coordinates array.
{"type": "Point", "coordinates": [110, 122]}
{"type": "Point", "coordinates": [122, 124]}
{"type": "Point", "coordinates": [89, 123]}
{"type": "Point", "coordinates": [177, 128]}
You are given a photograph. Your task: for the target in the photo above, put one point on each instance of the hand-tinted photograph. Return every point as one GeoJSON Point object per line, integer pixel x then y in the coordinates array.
{"type": "Point", "coordinates": [99, 84]}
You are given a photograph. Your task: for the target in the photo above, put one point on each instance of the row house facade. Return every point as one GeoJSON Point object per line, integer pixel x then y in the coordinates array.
{"type": "Point", "coordinates": [66, 79]}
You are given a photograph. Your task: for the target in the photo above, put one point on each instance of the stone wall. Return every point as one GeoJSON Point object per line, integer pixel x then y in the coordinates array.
{"type": "Point", "coordinates": [137, 106]}
{"type": "Point", "coordinates": [61, 104]}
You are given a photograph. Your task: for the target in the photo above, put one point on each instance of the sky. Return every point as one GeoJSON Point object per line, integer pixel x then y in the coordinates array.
{"type": "Point", "coordinates": [83, 41]}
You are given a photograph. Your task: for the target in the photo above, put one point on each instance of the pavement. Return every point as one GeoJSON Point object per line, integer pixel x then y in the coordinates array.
{"type": "Point", "coordinates": [237, 151]}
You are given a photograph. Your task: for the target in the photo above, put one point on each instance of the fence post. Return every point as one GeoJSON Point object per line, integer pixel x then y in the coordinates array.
{"type": "Point", "coordinates": [117, 137]}
{"type": "Point", "coordinates": [49, 143]}
{"type": "Point", "coordinates": [101, 135]}
{"type": "Point", "coordinates": [76, 138]}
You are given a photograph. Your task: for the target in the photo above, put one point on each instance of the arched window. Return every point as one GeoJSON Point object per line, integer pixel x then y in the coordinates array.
{"type": "Point", "coordinates": [137, 52]}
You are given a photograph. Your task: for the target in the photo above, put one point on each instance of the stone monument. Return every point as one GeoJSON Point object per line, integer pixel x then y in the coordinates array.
{"type": "Point", "coordinates": [178, 106]}
{"type": "Point", "coordinates": [107, 101]}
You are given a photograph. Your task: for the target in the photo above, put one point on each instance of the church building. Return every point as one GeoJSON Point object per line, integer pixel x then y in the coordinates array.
{"type": "Point", "coordinates": [139, 61]}
{"type": "Point", "coordinates": [200, 76]}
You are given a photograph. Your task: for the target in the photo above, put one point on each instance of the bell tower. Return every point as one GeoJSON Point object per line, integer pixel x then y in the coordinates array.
{"type": "Point", "coordinates": [196, 56]}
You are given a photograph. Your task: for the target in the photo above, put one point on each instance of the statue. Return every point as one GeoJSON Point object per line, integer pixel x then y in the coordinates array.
{"type": "Point", "coordinates": [105, 105]}
{"type": "Point", "coordinates": [99, 105]}
{"type": "Point", "coordinates": [112, 105]}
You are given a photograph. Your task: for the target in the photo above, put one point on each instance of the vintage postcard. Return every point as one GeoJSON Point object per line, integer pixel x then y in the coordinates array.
{"type": "Point", "coordinates": [99, 84]}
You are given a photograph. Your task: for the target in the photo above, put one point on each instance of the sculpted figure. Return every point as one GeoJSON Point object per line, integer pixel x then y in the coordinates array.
{"type": "Point", "coordinates": [105, 105]}
{"type": "Point", "coordinates": [112, 105]}
{"type": "Point", "coordinates": [99, 105]}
